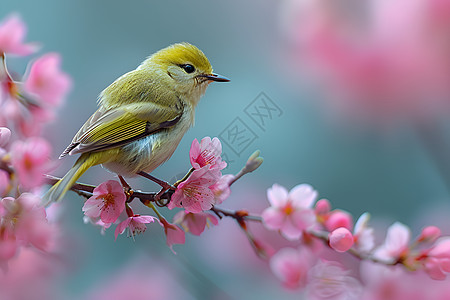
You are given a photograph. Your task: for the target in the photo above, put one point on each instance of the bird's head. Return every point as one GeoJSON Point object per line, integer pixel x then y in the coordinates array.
{"type": "Point", "coordinates": [186, 68]}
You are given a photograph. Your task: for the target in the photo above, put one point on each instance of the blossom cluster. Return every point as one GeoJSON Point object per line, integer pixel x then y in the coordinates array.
{"type": "Point", "coordinates": [377, 60]}
{"type": "Point", "coordinates": [298, 217]}
{"type": "Point", "coordinates": [26, 105]}
{"type": "Point", "coordinates": [198, 192]}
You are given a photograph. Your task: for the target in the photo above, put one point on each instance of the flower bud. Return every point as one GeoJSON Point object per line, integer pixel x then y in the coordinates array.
{"type": "Point", "coordinates": [340, 239]}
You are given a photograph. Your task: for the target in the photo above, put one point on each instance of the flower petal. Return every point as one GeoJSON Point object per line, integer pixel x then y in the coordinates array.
{"type": "Point", "coordinates": [277, 195]}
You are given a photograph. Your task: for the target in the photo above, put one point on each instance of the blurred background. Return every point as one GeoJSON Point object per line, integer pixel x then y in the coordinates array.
{"type": "Point", "coordinates": [351, 97]}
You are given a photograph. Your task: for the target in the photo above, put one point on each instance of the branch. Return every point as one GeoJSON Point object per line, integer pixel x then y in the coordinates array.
{"type": "Point", "coordinates": [86, 190]}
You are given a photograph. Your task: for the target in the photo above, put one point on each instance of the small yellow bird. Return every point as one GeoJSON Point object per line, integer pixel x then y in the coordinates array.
{"type": "Point", "coordinates": [142, 116]}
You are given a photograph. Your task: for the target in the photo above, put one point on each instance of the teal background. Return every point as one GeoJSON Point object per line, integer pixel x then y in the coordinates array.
{"type": "Point", "coordinates": [392, 175]}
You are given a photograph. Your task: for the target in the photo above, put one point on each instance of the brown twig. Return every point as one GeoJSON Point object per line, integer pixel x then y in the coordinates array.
{"type": "Point", "coordinates": [86, 190]}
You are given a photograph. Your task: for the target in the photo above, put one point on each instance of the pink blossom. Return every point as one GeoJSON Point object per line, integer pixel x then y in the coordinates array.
{"type": "Point", "coordinates": [387, 63]}
{"type": "Point", "coordinates": [322, 207]}
{"type": "Point", "coordinates": [194, 194]}
{"type": "Point", "coordinates": [291, 266]}
{"type": "Point", "coordinates": [396, 245]}
{"type": "Point", "coordinates": [30, 123]}
{"type": "Point", "coordinates": [12, 34]}
{"type": "Point", "coordinates": [29, 159]}
{"type": "Point", "coordinates": [290, 212]}
{"type": "Point", "coordinates": [194, 223]}
{"type": "Point", "coordinates": [340, 239]}
{"type": "Point", "coordinates": [429, 234]}
{"type": "Point", "coordinates": [39, 270]}
{"type": "Point", "coordinates": [338, 218]}
{"type": "Point", "coordinates": [174, 234]}
{"type": "Point", "coordinates": [135, 225]}
{"type": "Point", "coordinates": [437, 263]}
{"type": "Point", "coordinates": [221, 189]}
{"type": "Point", "coordinates": [329, 280]}
{"type": "Point", "coordinates": [363, 235]}
{"type": "Point", "coordinates": [5, 135]}
{"type": "Point", "coordinates": [107, 202]}
{"type": "Point", "coordinates": [46, 80]}
{"type": "Point", "coordinates": [207, 153]}
{"type": "Point", "coordinates": [23, 223]}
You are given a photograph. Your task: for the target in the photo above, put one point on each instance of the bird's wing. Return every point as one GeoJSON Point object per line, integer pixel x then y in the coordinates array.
{"type": "Point", "coordinates": [111, 128]}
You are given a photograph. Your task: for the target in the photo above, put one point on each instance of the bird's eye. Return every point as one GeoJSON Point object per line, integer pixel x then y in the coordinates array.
{"type": "Point", "coordinates": [188, 68]}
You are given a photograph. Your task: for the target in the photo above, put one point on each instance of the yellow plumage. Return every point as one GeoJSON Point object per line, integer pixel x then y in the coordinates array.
{"type": "Point", "coordinates": [142, 116]}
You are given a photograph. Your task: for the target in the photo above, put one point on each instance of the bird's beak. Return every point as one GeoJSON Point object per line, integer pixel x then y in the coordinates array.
{"type": "Point", "coordinates": [215, 77]}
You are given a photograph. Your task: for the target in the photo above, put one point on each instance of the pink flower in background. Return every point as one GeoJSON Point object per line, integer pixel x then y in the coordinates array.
{"type": "Point", "coordinates": [429, 234]}
{"type": "Point", "coordinates": [291, 266]}
{"type": "Point", "coordinates": [5, 135]}
{"type": "Point", "coordinates": [138, 278]}
{"type": "Point", "coordinates": [338, 218]}
{"type": "Point", "coordinates": [340, 239]}
{"type": "Point", "coordinates": [31, 122]}
{"type": "Point", "coordinates": [207, 153]}
{"type": "Point", "coordinates": [329, 280]}
{"type": "Point", "coordinates": [290, 212]}
{"type": "Point", "coordinates": [194, 223]}
{"type": "Point", "coordinates": [221, 189]}
{"type": "Point", "coordinates": [379, 59]}
{"type": "Point", "coordinates": [23, 223]}
{"type": "Point", "coordinates": [107, 202]}
{"type": "Point", "coordinates": [174, 234]}
{"type": "Point", "coordinates": [363, 234]}
{"type": "Point", "coordinates": [135, 225]}
{"type": "Point", "coordinates": [47, 81]}
{"type": "Point", "coordinates": [12, 34]}
{"type": "Point", "coordinates": [396, 245]}
{"type": "Point", "coordinates": [194, 194]}
{"type": "Point", "coordinates": [437, 263]}
{"type": "Point", "coordinates": [30, 160]}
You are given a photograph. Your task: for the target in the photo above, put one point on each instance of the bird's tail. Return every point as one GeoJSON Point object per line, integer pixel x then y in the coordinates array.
{"type": "Point", "coordinates": [57, 191]}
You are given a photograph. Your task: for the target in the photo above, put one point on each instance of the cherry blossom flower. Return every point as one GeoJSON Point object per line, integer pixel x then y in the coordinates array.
{"type": "Point", "coordinates": [395, 246]}
{"type": "Point", "coordinates": [290, 212]}
{"type": "Point", "coordinates": [23, 223]}
{"type": "Point", "coordinates": [174, 234]}
{"type": "Point", "coordinates": [221, 189]}
{"type": "Point", "coordinates": [388, 63]}
{"type": "Point", "coordinates": [329, 280]}
{"type": "Point", "coordinates": [322, 208]}
{"type": "Point", "coordinates": [194, 223]}
{"type": "Point", "coordinates": [338, 218]}
{"type": "Point", "coordinates": [340, 239]}
{"type": "Point", "coordinates": [135, 225]}
{"type": "Point", "coordinates": [383, 282]}
{"type": "Point", "coordinates": [12, 34]}
{"type": "Point", "coordinates": [207, 153]}
{"type": "Point", "coordinates": [29, 159]}
{"type": "Point", "coordinates": [47, 81]}
{"type": "Point", "coordinates": [363, 235]}
{"type": "Point", "coordinates": [437, 263]}
{"type": "Point", "coordinates": [107, 202]}
{"type": "Point", "coordinates": [194, 194]}
{"type": "Point", "coordinates": [429, 234]}
{"type": "Point", "coordinates": [291, 266]}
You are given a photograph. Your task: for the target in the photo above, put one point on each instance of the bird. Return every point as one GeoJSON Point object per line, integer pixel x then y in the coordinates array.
{"type": "Point", "coordinates": [141, 117]}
